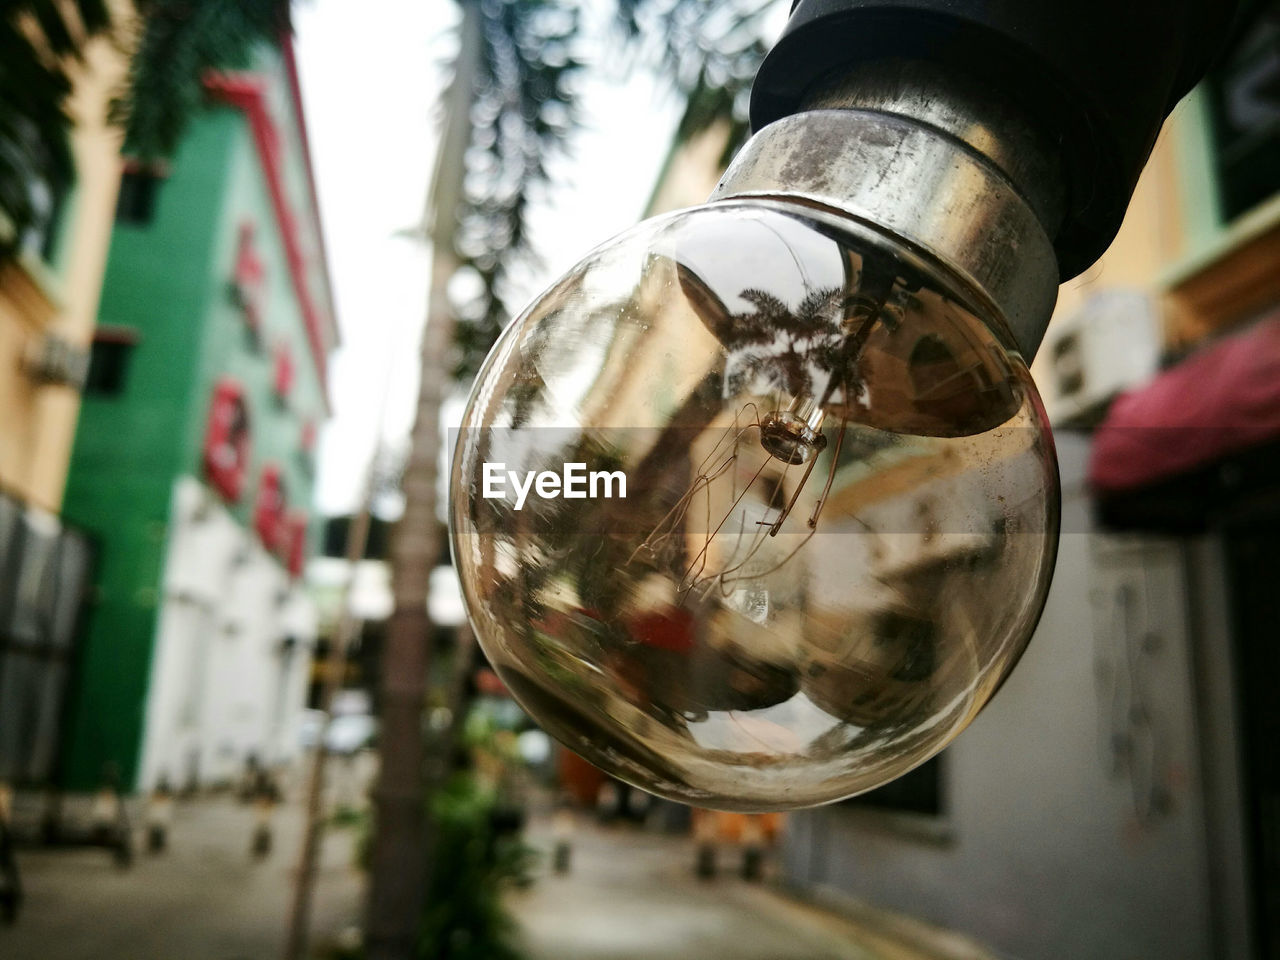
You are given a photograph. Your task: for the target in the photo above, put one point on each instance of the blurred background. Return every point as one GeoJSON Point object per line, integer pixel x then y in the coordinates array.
{"type": "Point", "coordinates": [251, 255]}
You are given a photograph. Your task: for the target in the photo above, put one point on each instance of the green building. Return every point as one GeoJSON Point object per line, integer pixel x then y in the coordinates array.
{"type": "Point", "coordinates": [193, 462]}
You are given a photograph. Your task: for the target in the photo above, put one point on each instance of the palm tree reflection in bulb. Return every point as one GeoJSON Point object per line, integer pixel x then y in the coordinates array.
{"type": "Point", "coordinates": [736, 633]}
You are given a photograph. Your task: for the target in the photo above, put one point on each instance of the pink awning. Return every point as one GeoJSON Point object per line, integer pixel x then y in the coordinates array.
{"type": "Point", "coordinates": [1220, 401]}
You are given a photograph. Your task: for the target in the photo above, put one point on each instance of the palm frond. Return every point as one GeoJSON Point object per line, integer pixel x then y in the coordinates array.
{"type": "Point", "coordinates": [40, 40]}
{"type": "Point", "coordinates": [181, 43]}
{"type": "Point", "coordinates": [526, 112]}
{"type": "Point", "coordinates": [710, 49]}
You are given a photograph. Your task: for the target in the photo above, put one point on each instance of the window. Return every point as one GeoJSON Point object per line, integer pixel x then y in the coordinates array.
{"type": "Point", "coordinates": [919, 791]}
{"type": "Point", "coordinates": [109, 361]}
{"type": "Point", "coordinates": [1245, 97]}
{"type": "Point", "coordinates": [1068, 364]}
{"type": "Point", "coordinates": [35, 201]}
{"type": "Point", "coordinates": [136, 203]}
{"type": "Point", "coordinates": [307, 446]}
{"type": "Point", "coordinates": [47, 204]}
{"type": "Point", "coordinates": [249, 283]}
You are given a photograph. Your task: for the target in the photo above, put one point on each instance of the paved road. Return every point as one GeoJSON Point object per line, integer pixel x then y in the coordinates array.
{"type": "Point", "coordinates": [633, 896]}
{"type": "Point", "coordinates": [204, 899]}
{"type": "Point", "coordinates": [629, 896]}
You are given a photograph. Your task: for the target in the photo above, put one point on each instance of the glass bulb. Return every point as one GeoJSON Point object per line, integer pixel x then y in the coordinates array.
{"type": "Point", "coordinates": [840, 510]}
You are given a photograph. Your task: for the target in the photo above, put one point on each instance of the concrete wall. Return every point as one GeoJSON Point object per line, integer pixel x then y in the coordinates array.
{"type": "Point", "coordinates": [1075, 821]}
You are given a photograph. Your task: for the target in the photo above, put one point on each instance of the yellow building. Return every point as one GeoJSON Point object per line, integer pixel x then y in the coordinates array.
{"type": "Point", "coordinates": [1205, 269]}
{"type": "Point", "coordinates": [49, 296]}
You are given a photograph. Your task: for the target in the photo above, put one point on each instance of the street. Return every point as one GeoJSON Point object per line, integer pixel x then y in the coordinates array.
{"type": "Point", "coordinates": [204, 898]}
{"type": "Point", "coordinates": [629, 895]}
{"type": "Point", "coordinates": [633, 896]}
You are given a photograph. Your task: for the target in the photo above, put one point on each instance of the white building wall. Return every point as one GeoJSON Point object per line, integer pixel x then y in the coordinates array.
{"type": "Point", "coordinates": [1075, 821]}
{"type": "Point", "coordinates": [229, 672]}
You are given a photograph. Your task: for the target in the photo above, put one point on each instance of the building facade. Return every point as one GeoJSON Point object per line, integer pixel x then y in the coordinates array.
{"type": "Point", "coordinates": [193, 463]}
{"type": "Point", "coordinates": [49, 295]}
{"type": "Point", "coordinates": [1118, 797]}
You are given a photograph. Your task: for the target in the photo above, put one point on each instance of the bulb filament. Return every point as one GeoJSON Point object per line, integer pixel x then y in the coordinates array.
{"type": "Point", "coordinates": [791, 435]}
{"type": "Point", "coordinates": [793, 432]}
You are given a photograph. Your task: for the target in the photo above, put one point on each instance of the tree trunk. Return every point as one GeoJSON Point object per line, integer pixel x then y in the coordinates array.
{"type": "Point", "coordinates": [398, 867]}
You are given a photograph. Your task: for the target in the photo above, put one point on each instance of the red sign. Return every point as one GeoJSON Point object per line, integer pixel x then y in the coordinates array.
{"type": "Point", "coordinates": [282, 376]}
{"type": "Point", "coordinates": [269, 510]}
{"type": "Point", "coordinates": [226, 441]}
{"type": "Point", "coordinates": [295, 549]}
{"type": "Point", "coordinates": [250, 280]}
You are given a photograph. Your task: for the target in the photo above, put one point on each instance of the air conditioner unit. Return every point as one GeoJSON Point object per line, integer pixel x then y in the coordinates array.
{"type": "Point", "coordinates": [1110, 344]}
{"type": "Point", "coordinates": [54, 360]}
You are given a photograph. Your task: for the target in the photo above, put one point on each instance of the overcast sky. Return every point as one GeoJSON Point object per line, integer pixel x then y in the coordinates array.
{"type": "Point", "coordinates": [371, 77]}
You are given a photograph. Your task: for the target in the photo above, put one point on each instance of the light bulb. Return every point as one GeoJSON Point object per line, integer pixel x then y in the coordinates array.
{"type": "Point", "coordinates": [839, 520]}
{"type": "Point", "coordinates": [841, 503]}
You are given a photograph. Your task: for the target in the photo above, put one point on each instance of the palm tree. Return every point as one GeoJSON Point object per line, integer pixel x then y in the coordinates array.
{"type": "Point", "coordinates": [179, 43]}
{"type": "Point", "coordinates": [40, 43]}
{"type": "Point", "coordinates": [176, 43]}
{"type": "Point", "coordinates": [526, 94]}
{"type": "Point", "coordinates": [516, 71]}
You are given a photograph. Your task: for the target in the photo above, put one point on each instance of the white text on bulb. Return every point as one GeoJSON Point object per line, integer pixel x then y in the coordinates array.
{"type": "Point", "coordinates": [572, 483]}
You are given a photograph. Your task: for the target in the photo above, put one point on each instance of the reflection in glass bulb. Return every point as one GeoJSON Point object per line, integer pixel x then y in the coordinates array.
{"type": "Point", "coordinates": [840, 508]}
